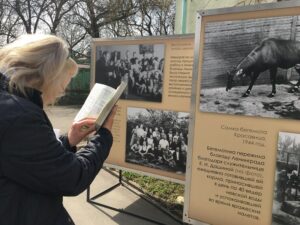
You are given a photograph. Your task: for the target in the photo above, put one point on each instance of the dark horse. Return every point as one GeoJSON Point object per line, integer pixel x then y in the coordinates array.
{"type": "Point", "coordinates": [269, 55]}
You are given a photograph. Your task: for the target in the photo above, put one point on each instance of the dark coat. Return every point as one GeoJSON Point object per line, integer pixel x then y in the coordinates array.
{"type": "Point", "coordinates": [37, 170]}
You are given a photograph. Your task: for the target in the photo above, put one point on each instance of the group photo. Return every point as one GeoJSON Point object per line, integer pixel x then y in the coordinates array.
{"type": "Point", "coordinates": [140, 66]}
{"type": "Point", "coordinates": [157, 139]}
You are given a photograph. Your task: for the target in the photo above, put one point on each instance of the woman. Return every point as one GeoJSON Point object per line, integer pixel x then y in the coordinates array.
{"type": "Point", "coordinates": [36, 169]}
{"type": "Point", "coordinates": [143, 149]}
{"type": "Point", "coordinates": [136, 147]}
{"type": "Point", "coordinates": [168, 157]}
{"type": "Point", "coordinates": [134, 137]}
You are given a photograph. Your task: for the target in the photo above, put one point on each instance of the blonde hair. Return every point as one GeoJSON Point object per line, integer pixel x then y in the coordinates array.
{"type": "Point", "coordinates": [40, 62]}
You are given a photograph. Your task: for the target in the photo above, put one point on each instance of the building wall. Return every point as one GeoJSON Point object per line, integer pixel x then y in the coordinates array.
{"type": "Point", "coordinates": [185, 21]}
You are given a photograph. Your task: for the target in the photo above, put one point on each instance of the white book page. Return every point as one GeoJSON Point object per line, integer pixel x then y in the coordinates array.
{"type": "Point", "coordinates": [108, 107]}
{"type": "Point", "coordinates": [95, 102]}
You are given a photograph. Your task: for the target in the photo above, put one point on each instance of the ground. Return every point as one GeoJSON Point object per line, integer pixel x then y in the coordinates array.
{"type": "Point", "coordinates": [282, 105]}
{"type": "Point", "coordinates": [62, 116]}
{"type": "Point", "coordinates": [165, 193]}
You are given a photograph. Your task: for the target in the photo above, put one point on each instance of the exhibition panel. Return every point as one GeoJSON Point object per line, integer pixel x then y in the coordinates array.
{"type": "Point", "coordinates": [151, 126]}
{"type": "Point", "coordinates": [244, 135]}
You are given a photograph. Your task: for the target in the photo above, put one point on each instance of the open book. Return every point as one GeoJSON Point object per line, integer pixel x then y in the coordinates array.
{"type": "Point", "coordinates": [99, 103]}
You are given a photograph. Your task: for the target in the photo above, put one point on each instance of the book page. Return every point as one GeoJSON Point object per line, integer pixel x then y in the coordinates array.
{"type": "Point", "coordinates": [95, 102]}
{"type": "Point", "coordinates": [107, 107]}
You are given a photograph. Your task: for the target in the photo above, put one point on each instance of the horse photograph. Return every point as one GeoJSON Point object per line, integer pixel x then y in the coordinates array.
{"type": "Point", "coordinates": [252, 67]}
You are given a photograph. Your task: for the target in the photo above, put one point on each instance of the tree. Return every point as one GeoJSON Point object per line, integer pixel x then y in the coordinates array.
{"type": "Point", "coordinates": [75, 36]}
{"type": "Point", "coordinates": [154, 17]}
{"type": "Point", "coordinates": [8, 22]}
{"type": "Point", "coordinates": [56, 11]}
{"type": "Point", "coordinates": [284, 143]}
{"type": "Point", "coordinates": [159, 118]}
{"type": "Point", "coordinates": [93, 15]}
{"type": "Point", "coordinates": [79, 20]}
{"type": "Point", "coordinates": [30, 12]}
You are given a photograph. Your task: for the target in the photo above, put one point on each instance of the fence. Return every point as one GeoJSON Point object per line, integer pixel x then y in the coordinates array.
{"type": "Point", "coordinates": [228, 42]}
{"type": "Point", "coordinates": [78, 88]}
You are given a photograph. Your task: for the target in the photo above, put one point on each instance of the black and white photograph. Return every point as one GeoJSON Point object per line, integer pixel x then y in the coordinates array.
{"type": "Point", "coordinates": [157, 139]}
{"type": "Point", "coordinates": [140, 66]}
{"type": "Point", "coordinates": [286, 202]}
{"type": "Point", "coordinates": [252, 67]}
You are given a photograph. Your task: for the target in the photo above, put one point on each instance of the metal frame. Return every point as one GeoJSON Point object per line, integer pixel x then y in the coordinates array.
{"type": "Point", "coordinates": [141, 38]}
{"type": "Point", "coordinates": [132, 188]}
{"type": "Point", "coordinates": [195, 85]}
{"type": "Point", "coordinates": [145, 173]}
{"type": "Point", "coordinates": [192, 124]}
{"type": "Point", "coordinates": [250, 8]}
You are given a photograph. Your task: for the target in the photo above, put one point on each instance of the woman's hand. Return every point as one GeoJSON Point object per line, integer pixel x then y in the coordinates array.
{"type": "Point", "coordinates": [80, 130]}
{"type": "Point", "coordinates": [83, 128]}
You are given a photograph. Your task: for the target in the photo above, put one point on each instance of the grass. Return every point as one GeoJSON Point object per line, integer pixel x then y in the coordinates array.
{"type": "Point", "coordinates": [163, 192]}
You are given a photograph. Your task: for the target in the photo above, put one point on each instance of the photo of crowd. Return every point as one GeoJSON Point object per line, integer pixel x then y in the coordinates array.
{"type": "Point", "coordinates": [157, 139]}
{"type": "Point", "coordinates": [140, 66]}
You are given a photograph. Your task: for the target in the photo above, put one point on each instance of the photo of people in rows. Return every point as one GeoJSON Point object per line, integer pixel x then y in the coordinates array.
{"type": "Point", "coordinates": [140, 66]}
{"type": "Point", "coordinates": [157, 139]}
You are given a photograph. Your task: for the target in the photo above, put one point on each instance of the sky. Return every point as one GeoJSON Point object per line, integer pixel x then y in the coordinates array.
{"type": "Point", "coordinates": [292, 135]}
